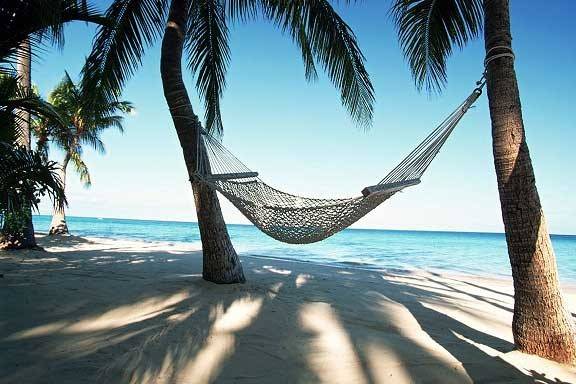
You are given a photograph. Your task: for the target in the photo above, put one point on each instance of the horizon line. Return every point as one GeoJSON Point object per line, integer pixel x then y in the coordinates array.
{"type": "Point", "coordinates": [349, 228]}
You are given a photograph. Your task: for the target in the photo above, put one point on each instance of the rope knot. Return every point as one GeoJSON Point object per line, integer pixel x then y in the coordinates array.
{"type": "Point", "coordinates": [497, 52]}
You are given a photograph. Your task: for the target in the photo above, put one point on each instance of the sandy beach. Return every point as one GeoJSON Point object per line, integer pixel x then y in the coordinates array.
{"type": "Point", "coordinates": [111, 311]}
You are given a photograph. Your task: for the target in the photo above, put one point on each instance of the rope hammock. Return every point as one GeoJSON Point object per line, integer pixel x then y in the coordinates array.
{"type": "Point", "coordinates": [301, 220]}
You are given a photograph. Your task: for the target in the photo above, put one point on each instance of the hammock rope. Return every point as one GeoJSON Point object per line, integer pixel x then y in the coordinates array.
{"type": "Point", "coordinates": [301, 220]}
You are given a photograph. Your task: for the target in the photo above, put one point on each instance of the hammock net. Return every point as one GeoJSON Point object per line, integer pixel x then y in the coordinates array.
{"type": "Point", "coordinates": [301, 220]}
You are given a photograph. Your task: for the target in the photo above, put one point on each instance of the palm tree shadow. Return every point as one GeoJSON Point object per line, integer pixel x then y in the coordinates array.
{"type": "Point", "coordinates": [474, 296]}
{"type": "Point", "coordinates": [483, 287]}
{"type": "Point", "coordinates": [161, 327]}
{"type": "Point", "coordinates": [142, 317]}
{"type": "Point", "coordinates": [457, 338]}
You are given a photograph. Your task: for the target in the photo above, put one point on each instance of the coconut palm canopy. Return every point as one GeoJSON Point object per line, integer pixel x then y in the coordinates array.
{"type": "Point", "coordinates": [428, 31]}
{"type": "Point", "coordinates": [25, 26]}
{"type": "Point", "coordinates": [25, 175]}
{"type": "Point", "coordinates": [41, 21]}
{"type": "Point", "coordinates": [86, 114]}
{"type": "Point", "coordinates": [321, 34]}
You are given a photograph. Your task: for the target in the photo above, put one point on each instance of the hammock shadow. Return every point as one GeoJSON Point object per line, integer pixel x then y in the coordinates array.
{"type": "Point", "coordinates": [122, 316]}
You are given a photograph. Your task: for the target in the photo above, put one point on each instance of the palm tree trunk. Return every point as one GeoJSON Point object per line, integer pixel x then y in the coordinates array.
{"type": "Point", "coordinates": [58, 224]}
{"type": "Point", "coordinates": [542, 325]}
{"type": "Point", "coordinates": [24, 70]}
{"type": "Point", "coordinates": [221, 263]}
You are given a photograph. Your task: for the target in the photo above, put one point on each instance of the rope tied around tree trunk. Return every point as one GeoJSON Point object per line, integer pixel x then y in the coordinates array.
{"type": "Point", "coordinates": [508, 52]}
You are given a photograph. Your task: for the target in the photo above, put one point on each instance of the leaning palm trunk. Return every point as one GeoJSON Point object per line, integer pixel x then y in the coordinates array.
{"type": "Point", "coordinates": [220, 261]}
{"type": "Point", "coordinates": [58, 225]}
{"type": "Point", "coordinates": [541, 325]}
{"type": "Point", "coordinates": [23, 69]}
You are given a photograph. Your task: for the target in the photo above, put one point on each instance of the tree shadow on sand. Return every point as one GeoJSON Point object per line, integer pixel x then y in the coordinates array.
{"type": "Point", "coordinates": [120, 316]}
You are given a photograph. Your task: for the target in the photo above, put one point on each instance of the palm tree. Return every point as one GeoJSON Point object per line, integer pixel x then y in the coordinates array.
{"type": "Point", "coordinates": [86, 113]}
{"type": "Point", "coordinates": [200, 28]}
{"type": "Point", "coordinates": [24, 25]}
{"type": "Point", "coordinates": [428, 30]}
{"type": "Point", "coordinates": [25, 175]}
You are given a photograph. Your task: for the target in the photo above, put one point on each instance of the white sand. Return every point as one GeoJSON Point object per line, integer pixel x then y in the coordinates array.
{"type": "Point", "coordinates": [110, 311]}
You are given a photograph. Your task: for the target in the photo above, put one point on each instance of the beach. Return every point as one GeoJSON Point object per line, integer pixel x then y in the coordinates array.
{"type": "Point", "coordinates": [93, 310]}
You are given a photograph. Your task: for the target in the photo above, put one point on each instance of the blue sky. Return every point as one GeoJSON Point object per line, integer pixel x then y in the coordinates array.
{"type": "Point", "coordinates": [300, 139]}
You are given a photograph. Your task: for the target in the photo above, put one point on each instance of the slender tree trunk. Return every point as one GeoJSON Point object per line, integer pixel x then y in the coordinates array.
{"type": "Point", "coordinates": [542, 325]}
{"type": "Point", "coordinates": [24, 68]}
{"type": "Point", "coordinates": [221, 263]}
{"type": "Point", "coordinates": [58, 225]}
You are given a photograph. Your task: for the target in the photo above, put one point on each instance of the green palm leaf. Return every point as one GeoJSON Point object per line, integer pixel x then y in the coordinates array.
{"type": "Point", "coordinates": [13, 97]}
{"type": "Point", "coordinates": [209, 55]}
{"type": "Point", "coordinates": [119, 47]}
{"type": "Point", "coordinates": [81, 169]}
{"type": "Point", "coordinates": [25, 176]}
{"type": "Point", "coordinates": [429, 29]}
{"type": "Point", "coordinates": [41, 21]}
{"type": "Point", "coordinates": [324, 37]}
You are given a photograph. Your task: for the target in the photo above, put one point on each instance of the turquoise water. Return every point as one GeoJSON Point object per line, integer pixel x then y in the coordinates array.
{"type": "Point", "coordinates": [477, 253]}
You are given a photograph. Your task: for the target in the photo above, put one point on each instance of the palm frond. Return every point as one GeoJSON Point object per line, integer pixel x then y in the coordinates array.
{"type": "Point", "coordinates": [246, 10]}
{"type": "Point", "coordinates": [429, 29]}
{"type": "Point", "coordinates": [93, 140]}
{"type": "Point", "coordinates": [209, 55]}
{"type": "Point", "coordinates": [318, 30]}
{"type": "Point", "coordinates": [242, 10]}
{"type": "Point", "coordinates": [25, 176]}
{"type": "Point", "coordinates": [119, 47]}
{"type": "Point", "coordinates": [81, 169]}
{"type": "Point", "coordinates": [41, 21]}
{"type": "Point", "coordinates": [13, 97]}
{"type": "Point", "coordinates": [106, 122]}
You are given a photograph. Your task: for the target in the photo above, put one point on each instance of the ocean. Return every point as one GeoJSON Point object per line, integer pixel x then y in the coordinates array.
{"type": "Point", "coordinates": [459, 252]}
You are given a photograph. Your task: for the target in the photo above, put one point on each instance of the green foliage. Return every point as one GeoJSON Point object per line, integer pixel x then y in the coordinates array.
{"type": "Point", "coordinates": [14, 98]}
{"type": "Point", "coordinates": [39, 20]}
{"type": "Point", "coordinates": [429, 29]}
{"type": "Point", "coordinates": [209, 55]}
{"type": "Point", "coordinates": [25, 177]}
{"type": "Point", "coordinates": [85, 113]}
{"type": "Point", "coordinates": [13, 223]}
{"type": "Point", "coordinates": [313, 25]}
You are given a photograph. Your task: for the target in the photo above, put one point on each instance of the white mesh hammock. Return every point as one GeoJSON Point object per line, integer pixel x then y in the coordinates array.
{"type": "Point", "coordinates": [301, 220]}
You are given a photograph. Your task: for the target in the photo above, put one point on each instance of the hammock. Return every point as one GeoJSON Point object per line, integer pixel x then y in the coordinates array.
{"type": "Point", "coordinates": [301, 220]}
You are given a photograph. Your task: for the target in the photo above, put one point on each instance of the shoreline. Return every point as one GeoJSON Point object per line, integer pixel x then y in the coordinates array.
{"type": "Point", "coordinates": [196, 246]}
{"type": "Point", "coordinates": [137, 312]}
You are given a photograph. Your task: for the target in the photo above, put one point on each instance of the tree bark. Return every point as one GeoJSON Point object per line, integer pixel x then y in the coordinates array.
{"type": "Point", "coordinates": [541, 325]}
{"type": "Point", "coordinates": [58, 224]}
{"type": "Point", "coordinates": [220, 261]}
{"type": "Point", "coordinates": [24, 71]}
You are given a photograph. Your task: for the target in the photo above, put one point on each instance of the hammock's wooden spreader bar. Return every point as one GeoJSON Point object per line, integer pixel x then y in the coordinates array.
{"type": "Point", "coordinates": [390, 188]}
{"type": "Point", "coordinates": [230, 176]}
